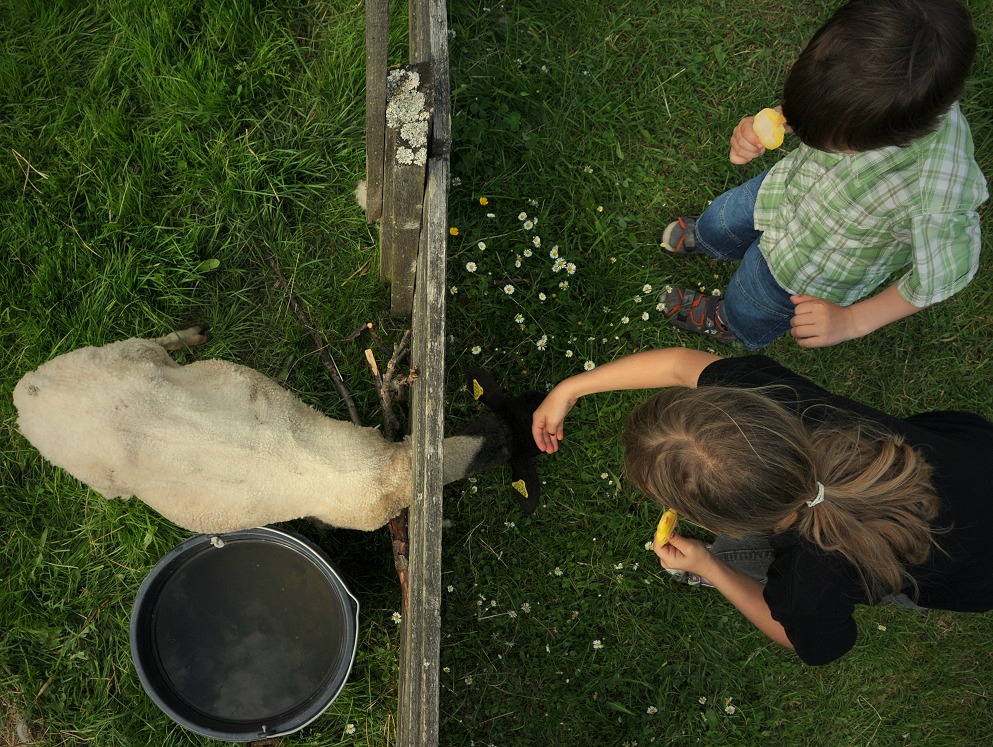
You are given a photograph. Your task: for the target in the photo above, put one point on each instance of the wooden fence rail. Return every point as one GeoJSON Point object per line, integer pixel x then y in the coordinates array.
{"type": "Point", "coordinates": [408, 131]}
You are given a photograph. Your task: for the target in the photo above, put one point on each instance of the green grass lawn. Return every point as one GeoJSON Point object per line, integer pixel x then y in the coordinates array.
{"type": "Point", "coordinates": [150, 149]}
{"type": "Point", "coordinates": [600, 122]}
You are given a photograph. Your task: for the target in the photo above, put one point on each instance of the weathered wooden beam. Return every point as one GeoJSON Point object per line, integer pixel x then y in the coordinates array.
{"type": "Point", "coordinates": [418, 713]}
{"type": "Point", "coordinates": [428, 42]}
{"type": "Point", "coordinates": [377, 28]}
{"type": "Point", "coordinates": [409, 102]}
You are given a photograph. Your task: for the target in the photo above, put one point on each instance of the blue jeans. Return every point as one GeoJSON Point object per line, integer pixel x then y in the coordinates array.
{"type": "Point", "coordinates": [756, 308]}
{"type": "Point", "coordinates": [752, 555]}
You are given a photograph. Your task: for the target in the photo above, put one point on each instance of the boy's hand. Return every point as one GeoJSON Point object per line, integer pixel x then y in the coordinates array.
{"type": "Point", "coordinates": [546, 423]}
{"type": "Point", "coordinates": [684, 554]}
{"type": "Point", "coordinates": [818, 323]}
{"type": "Point", "coordinates": [745, 144]}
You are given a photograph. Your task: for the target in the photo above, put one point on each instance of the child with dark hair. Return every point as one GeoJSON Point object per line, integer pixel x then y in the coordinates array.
{"type": "Point", "coordinates": [820, 503]}
{"type": "Point", "coordinates": [884, 181]}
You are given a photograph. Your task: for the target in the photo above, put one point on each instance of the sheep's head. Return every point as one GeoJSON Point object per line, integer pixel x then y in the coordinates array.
{"type": "Point", "coordinates": [515, 413]}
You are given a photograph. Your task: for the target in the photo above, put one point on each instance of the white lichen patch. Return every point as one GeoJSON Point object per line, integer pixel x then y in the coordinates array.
{"type": "Point", "coordinates": [407, 111]}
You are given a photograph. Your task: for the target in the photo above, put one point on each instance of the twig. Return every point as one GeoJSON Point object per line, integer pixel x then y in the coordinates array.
{"type": "Point", "coordinates": [391, 430]}
{"type": "Point", "coordinates": [26, 166]}
{"type": "Point", "coordinates": [305, 320]}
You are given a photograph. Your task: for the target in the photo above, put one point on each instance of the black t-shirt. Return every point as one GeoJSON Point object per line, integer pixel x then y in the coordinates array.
{"type": "Point", "coordinates": [813, 593]}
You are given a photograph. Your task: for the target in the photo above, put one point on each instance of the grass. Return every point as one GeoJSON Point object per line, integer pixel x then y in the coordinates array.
{"type": "Point", "coordinates": [149, 151]}
{"type": "Point", "coordinates": [601, 122]}
{"type": "Point", "coordinates": [150, 148]}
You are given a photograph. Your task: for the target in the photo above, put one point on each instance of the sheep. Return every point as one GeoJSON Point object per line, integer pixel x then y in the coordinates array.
{"type": "Point", "coordinates": [215, 447]}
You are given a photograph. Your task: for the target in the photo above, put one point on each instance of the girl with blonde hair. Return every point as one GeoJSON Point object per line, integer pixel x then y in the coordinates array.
{"type": "Point", "coordinates": [820, 503]}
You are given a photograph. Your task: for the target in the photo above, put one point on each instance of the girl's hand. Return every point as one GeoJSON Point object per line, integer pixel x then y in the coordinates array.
{"type": "Point", "coordinates": [547, 421]}
{"type": "Point", "coordinates": [684, 554]}
{"type": "Point", "coordinates": [745, 144]}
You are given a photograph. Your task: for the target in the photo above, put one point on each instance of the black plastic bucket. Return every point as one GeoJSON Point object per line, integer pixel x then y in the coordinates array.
{"type": "Point", "coordinates": [244, 635]}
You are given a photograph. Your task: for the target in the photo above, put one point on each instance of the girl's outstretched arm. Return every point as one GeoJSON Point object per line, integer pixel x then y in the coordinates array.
{"type": "Point", "coordinates": [744, 592]}
{"type": "Point", "coordinates": [648, 369]}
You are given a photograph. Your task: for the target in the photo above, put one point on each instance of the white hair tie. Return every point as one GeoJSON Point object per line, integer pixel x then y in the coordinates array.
{"type": "Point", "coordinates": [820, 496]}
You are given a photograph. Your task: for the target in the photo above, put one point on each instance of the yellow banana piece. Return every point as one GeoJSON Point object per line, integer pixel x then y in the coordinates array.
{"type": "Point", "coordinates": [770, 126]}
{"type": "Point", "coordinates": [666, 525]}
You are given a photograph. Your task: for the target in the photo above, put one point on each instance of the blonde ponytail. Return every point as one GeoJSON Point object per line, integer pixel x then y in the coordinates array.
{"type": "Point", "coordinates": [878, 506]}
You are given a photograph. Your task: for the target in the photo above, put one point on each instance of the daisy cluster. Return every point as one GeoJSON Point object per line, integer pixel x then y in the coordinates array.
{"type": "Point", "coordinates": [512, 262]}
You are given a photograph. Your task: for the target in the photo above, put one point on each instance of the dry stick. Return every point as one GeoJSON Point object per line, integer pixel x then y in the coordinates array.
{"type": "Point", "coordinates": [398, 525]}
{"type": "Point", "coordinates": [391, 430]}
{"type": "Point", "coordinates": [305, 320]}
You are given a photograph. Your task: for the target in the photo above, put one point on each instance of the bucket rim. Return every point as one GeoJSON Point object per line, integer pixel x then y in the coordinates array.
{"type": "Point", "coordinates": [171, 562]}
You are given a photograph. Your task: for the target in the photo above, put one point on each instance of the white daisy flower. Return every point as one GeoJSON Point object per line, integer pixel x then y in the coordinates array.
{"type": "Point", "coordinates": [471, 266]}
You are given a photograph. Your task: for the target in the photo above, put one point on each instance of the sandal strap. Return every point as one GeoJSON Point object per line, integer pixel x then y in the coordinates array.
{"type": "Point", "coordinates": [678, 238]}
{"type": "Point", "coordinates": [695, 312]}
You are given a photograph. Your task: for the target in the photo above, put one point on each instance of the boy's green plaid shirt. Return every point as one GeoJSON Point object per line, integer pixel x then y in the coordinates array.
{"type": "Point", "coordinates": [836, 226]}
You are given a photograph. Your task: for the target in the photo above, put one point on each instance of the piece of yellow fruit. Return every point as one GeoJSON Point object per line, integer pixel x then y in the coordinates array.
{"type": "Point", "coordinates": [666, 524]}
{"type": "Point", "coordinates": [770, 126]}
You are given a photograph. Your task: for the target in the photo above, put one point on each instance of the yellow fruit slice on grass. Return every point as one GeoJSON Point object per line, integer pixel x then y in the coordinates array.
{"type": "Point", "coordinates": [666, 524]}
{"type": "Point", "coordinates": [770, 126]}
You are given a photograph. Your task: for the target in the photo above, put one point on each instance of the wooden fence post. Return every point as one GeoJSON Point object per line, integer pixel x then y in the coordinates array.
{"type": "Point", "coordinates": [409, 101]}
{"type": "Point", "coordinates": [377, 29]}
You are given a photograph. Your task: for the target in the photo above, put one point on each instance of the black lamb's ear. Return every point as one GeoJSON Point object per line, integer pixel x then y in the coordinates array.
{"type": "Point", "coordinates": [484, 387]}
{"type": "Point", "coordinates": [524, 479]}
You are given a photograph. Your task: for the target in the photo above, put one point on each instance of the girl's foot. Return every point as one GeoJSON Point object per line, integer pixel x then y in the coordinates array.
{"type": "Point", "coordinates": [691, 579]}
{"type": "Point", "coordinates": [696, 312]}
{"type": "Point", "coordinates": [678, 239]}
